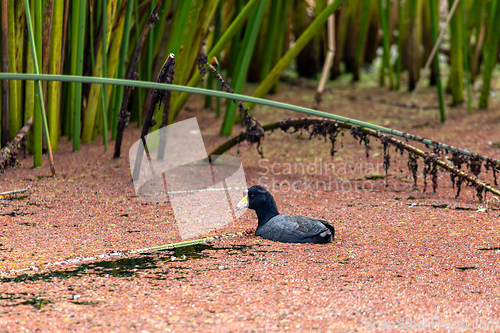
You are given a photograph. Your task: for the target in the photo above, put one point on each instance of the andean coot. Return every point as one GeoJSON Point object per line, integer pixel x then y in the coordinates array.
{"type": "Point", "coordinates": [284, 228]}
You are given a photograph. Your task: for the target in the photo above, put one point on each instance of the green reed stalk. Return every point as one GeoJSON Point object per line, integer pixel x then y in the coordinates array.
{"type": "Point", "coordinates": [20, 50]}
{"type": "Point", "coordinates": [360, 44]}
{"type": "Point", "coordinates": [272, 37]}
{"type": "Point", "coordinates": [54, 88]}
{"type": "Point", "coordinates": [230, 96]}
{"type": "Point", "coordinates": [82, 11]}
{"type": "Point", "coordinates": [300, 43]}
{"type": "Point", "coordinates": [37, 114]}
{"type": "Point", "coordinates": [121, 67]}
{"type": "Point", "coordinates": [36, 48]}
{"type": "Point", "coordinates": [235, 26]}
{"type": "Point", "coordinates": [236, 42]}
{"type": "Point", "coordinates": [201, 14]}
{"type": "Point", "coordinates": [242, 64]}
{"type": "Point", "coordinates": [186, 18]}
{"type": "Point", "coordinates": [94, 93]}
{"type": "Point", "coordinates": [434, 28]}
{"type": "Point", "coordinates": [29, 97]}
{"type": "Point", "coordinates": [113, 56]}
{"type": "Point", "coordinates": [349, 29]}
{"type": "Point", "coordinates": [211, 79]}
{"type": "Point", "coordinates": [476, 22]}
{"type": "Point", "coordinates": [180, 22]}
{"type": "Point", "coordinates": [280, 40]}
{"type": "Point", "coordinates": [217, 36]}
{"type": "Point", "coordinates": [466, 57]}
{"type": "Point", "coordinates": [140, 92]}
{"type": "Point", "coordinates": [159, 29]}
{"type": "Point", "coordinates": [63, 102]}
{"type": "Point", "coordinates": [104, 88]}
{"type": "Point", "coordinates": [104, 70]}
{"type": "Point", "coordinates": [4, 114]}
{"type": "Point", "coordinates": [414, 38]}
{"type": "Point", "coordinates": [385, 15]}
{"type": "Point", "coordinates": [490, 52]}
{"type": "Point", "coordinates": [114, 42]}
{"type": "Point", "coordinates": [456, 78]}
{"type": "Point", "coordinates": [14, 88]}
{"type": "Point", "coordinates": [72, 101]}
{"type": "Point", "coordinates": [400, 43]}
{"type": "Point", "coordinates": [71, 89]}
{"type": "Point", "coordinates": [150, 54]}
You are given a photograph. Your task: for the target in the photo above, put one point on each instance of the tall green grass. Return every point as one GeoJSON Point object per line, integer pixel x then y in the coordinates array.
{"type": "Point", "coordinates": [456, 78]}
{"type": "Point", "coordinates": [40, 115]}
{"type": "Point", "coordinates": [491, 51]}
{"type": "Point", "coordinates": [434, 28]}
{"type": "Point", "coordinates": [104, 48]}
{"type": "Point", "coordinates": [243, 63]}
{"type": "Point", "coordinates": [36, 47]}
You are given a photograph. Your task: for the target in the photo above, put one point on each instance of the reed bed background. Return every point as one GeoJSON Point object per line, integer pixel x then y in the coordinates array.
{"type": "Point", "coordinates": [254, 40]}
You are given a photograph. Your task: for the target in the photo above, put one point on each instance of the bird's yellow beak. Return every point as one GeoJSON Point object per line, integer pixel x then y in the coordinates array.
{"type": "Point", "coordinates": [243, 203]}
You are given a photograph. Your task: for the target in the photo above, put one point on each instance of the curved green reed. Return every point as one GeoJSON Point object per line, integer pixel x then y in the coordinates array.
{"type": "Point", "coordinates": [222, 94]}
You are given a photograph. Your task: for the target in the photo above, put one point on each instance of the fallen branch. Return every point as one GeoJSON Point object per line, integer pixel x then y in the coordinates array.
{"type": "Point", "coordinates": [330, 129]}
{"type": "Point", "coordinates": [239, 138]}
{"type": "Point", "coordinates": [457, 175]}
{"type": "Point", "coordinates": [4, 194]}
{"type": "Point", "coordinates": [8, 154]}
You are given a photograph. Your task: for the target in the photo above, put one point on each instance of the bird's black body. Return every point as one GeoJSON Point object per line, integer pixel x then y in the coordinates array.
{"type": "Point", "coordinates": [286, 228]}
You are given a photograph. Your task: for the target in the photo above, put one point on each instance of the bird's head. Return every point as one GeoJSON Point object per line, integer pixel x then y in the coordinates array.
{"type": "Point", "coordinates": [256, 197]}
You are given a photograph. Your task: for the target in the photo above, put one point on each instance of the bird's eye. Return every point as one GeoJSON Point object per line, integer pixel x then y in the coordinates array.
{"type": "Point", "coordinates": [252, 195]}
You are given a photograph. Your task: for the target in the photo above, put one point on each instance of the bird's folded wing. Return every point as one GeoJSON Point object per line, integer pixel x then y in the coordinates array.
{"type": "Point", "coordinates": [294, 225]}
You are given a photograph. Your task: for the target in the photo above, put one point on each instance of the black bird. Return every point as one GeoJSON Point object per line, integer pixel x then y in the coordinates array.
{"type": "Point", "coordinates": [284, 228]}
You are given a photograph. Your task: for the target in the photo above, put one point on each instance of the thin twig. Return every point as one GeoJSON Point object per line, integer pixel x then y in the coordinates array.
{"type": "Point", "coordinates": [8, 154]}
{"type": "Point", "coordinates": [4, 194]}
{"type": "Point", "coordinates": [118, 254]}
